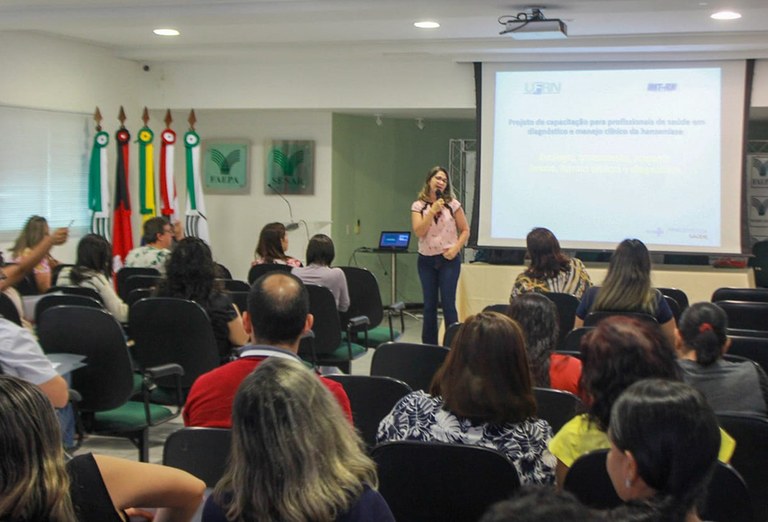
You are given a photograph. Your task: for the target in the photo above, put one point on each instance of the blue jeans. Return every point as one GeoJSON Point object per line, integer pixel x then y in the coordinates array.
{"type": "Point", "coordinates": [437, 274]}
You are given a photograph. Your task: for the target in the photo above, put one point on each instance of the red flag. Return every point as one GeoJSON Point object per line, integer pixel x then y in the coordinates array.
{"type": "Point", "coordinates": [122, 235]}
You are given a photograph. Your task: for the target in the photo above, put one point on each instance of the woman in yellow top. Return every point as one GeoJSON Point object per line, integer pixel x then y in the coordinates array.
{"type": "Point", "coordinates": [618, 353]}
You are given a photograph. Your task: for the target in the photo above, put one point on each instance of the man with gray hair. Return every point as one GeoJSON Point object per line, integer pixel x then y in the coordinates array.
{"type": "Point", "coordinates": [157, 240]}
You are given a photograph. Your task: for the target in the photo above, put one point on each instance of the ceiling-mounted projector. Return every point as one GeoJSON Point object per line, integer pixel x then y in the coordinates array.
{"type": "Point", "coordinates": [533, 26]}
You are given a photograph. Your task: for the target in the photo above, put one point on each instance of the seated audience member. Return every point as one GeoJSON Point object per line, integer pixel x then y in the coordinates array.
{"type": "Point", "coordinates": [93, 269]}
{"type": "Point", "coordinates": [12, 274]}
{"type": "Point", "coordinates": [157, 240]}
{"type": "Point", "coordinates": [21, 356]}
{"type": "Point", "coordinates": [550, 269]}
{"type": "Point", "coordinates": [540, 504]}
{"type": "Point", "coordinates": [294, 457]}
{"type": "Point", "coordinates": [320, 254]}
{"type": "Point", "coordinates": [191, 274]}
{"type": "Point", "coordinates": [664, 444]}
{"type": "Point", "coordinates": [700, 342]}
{"type": "Point", "coordinates": [538, 318]}
{"type": "Point", "coordinates": [481, 395]}
{"type": "Point", "coordinates": [627, 288]}
{"type": "Point", "coordinates": [273, 243]}
{"type": "Point", "coordinates": [33, 234]}
{"type": "Point", "coordinates": [278, 315]}
{"type": "Point", "coordinates": [618, 353]}
{"type": "Point", "coordinates": [37, 484]}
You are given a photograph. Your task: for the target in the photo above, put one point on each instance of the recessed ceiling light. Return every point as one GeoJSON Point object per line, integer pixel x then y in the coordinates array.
{"type": "Point", "coordinates": [426, 24]}
{"type": "Point", "coordinates": [166, 32]}
{"type": "Point", "coordinates": [726, 15]}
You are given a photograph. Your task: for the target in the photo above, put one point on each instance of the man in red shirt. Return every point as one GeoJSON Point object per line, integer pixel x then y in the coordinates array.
{"type": "Point", "coordinates": [278, 315]}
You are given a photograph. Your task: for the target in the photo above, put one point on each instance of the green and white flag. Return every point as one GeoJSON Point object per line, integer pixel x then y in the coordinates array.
{"type": "Point", "coordinates": [98, 186]}
{"type": "Point", "coordinates": [196, 223]}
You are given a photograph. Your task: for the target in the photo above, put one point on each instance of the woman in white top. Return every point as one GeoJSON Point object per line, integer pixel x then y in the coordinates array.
{"type": "Point", "coordinates": [94, 270]}
{"type": "Point", "coordinates": [320, 254]}
{"type": "Point", "coordinates": [441, 226]}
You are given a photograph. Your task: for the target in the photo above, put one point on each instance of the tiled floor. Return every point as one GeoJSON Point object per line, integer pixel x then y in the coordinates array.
{"type": "Point", "coordinates": [123, 448]}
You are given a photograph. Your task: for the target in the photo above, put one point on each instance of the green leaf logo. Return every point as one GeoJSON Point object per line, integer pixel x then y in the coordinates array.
{"type": "Point", "coordinates": [287, 164]}
{"type": "Point", "coordinates": [225, 163]}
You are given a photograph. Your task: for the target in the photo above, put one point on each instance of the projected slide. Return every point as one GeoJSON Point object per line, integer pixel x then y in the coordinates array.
{"type": "Point", "coordinates": [605, 154]}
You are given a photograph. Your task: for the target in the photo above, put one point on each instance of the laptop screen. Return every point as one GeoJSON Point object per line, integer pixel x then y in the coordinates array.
{"type": "Point", "coordinates": [394, 240]}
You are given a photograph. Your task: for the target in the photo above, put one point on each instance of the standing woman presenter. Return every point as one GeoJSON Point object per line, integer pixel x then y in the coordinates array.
{"type": "Point", "coordinates": [441, 226]}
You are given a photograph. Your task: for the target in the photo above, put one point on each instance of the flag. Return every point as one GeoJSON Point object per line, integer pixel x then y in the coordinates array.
{"type": "Point", "coordinates": [196, 220]}
{"type": "Point", "coordinates": [146, 174]}
{"type": "Point", "coordinates": [98, 187]}
{"type": "Point", "coordinates": [122, 235]}
{"type": "Point", "coordinates": [170, 203]}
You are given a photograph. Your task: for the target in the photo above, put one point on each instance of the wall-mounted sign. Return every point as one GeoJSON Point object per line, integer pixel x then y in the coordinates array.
{"type": "Point", "coordinates": [290, 166]}
{"type": "Point", "coordinates": [226, 166]}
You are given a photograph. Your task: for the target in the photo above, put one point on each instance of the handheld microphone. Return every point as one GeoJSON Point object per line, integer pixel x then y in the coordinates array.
{"type": "Point", "coordinates": [438, 194]}
{"type": "Point", "coordinates": [288, 226]}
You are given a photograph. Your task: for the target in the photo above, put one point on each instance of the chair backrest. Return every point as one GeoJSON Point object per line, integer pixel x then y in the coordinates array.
{"type": "Point", "coordinates": [759, 295]}
{"type": "Point", "coordinates": [76, 290]}
{"type": "Point", "coordinates": [751, 455]}
{"type": "Point", "coordinates": [748, 315]}
{"type": "Point", "coordinates": [566, 310]}
{"type": "Point", "coordinates": [364, 295]}
{"type": "Point", "coordinates": [595, 317]}
{"type": "Point", "coordinates": [428, 481]}
{"type": "Point", "coordinates": [674, 306]}
{"type": "Point", "coordinates": [170, 330]}
{"type": "Point", "coordinates": [327, 325]}
{"type": "Point", "coordinates": [240, 299]}
{"type": "Point", "coordinates": [678, 295]}
{"type": "Point", "coordinates": [572, 341]}
{"type": "Point", "coordinates": [137, 294]}
{"type": "Point", "coordinates": [140, 281]}
{"type": "Point", "coordinates": [556, 406]}
{"type": "Point", "coordinates": [203, 452]}
{"type": "Point", "coordinates": [50, 300]}
{"type": "Point", "coordinates": [371, 398]}
{"type": "Point", "coordinates": [9, 310]}
{"type": "Point", "coordinates": [760, 263]}
{"type": "Point", "coordinates": [499, 308]}
{"type": "Point", "coordinates": [413, 363]}
{"type": "Point", "coordinates": [106, 381]}
{"type": "Point", "coordinates": [124, 273]}
{"type": "Point", "coordinates": [234, 285]}
{"type": "Point", "coordinates": [222, 271]}
{"type": "Point", "coordinates": [450, 333]}
{"type": "Point", "coordinates": [257, 271]}
{"type": "Point", "coordinates": [726, 499]}
{"type": "Point", "coordinates": [754, 348]}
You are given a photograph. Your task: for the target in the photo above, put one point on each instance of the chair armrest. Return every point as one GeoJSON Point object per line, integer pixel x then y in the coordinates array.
{"type": "Point", "coordinates": [155, 372]}
{"type": "Point", "coordinates": [74, 396]}
{"type": "Point", "coordinates": [395, 308]}
{"type": "Point", "coordinates": [358, 321]}
{"type": "Point", "coordinates": [163, 370]}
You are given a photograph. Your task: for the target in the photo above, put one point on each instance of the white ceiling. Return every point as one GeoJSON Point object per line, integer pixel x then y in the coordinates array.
{"type": "Point", "coordinates": [277, 29]}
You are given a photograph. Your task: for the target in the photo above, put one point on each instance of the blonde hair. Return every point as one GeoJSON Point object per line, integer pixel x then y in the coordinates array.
{"type": "Point", "coordinates": [33, 232]}
{"type": "Point", "coordinates": [627, 285]}
{"type": "Point", "coordinates": [295, 456]}
{"type": "Point", "coordinates": [34, 484]}
{"type": "Point", "coordinates": [447, 195]}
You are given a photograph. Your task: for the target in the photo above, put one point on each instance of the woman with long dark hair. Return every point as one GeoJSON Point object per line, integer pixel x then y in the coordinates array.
{"type": "Point", "coordinates": [550, 269]}
{"type": "Point", "coordinates": [93, 269]}
{"type": "Point", "coordinates": [664, 441]}
{"type": "Point", "coordinates": [295, 457]}
{"type": "Point", "coordinates": [627, 288]}
{"type": "Point", "coordinates": [190, 274]}
{"type": "Point", "coordinates": [701, 341]}
{"type": "Point", "coordinates": [441, 226]}
{"type": "Point", "coordinates": [272, 245]}
{"type": "Point", "coordinates": [480, 396]}
{"type": "Point", "coordinates": [320, 255]}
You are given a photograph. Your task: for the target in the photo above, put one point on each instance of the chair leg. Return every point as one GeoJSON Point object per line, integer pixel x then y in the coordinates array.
{"type": "Point", "coordinates": [142, 442]}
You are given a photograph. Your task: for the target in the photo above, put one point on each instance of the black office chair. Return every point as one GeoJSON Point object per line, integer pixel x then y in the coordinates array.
{"type": "Point", "coordinates": [556, 407]}
{"type": "Point", "coordinates": [76, 290]}
{"type": "Point", "coordinates": [327, 347]}
{"type": "Point", "coordinates": [678, 295]}
{"type": "Point", "coordinates": [759, 263]}
{"type": "Point", "coordinates": [450, 333]}
{"type": "Point", "coordinates": [8, 310]}
{"type": "Point", "coordinates": [106, 383]}
{"type": "Point", "coordinates": [747, 315]}
{"type": "Point", "coordinates": [167, 330]}
{"type": "Point", "coordinates": [429, 481]}
{"type": "Point", "coordinates": [203, 452]}
{"type": "Point", "coordinates": [239, 299]}
{"type": "Point", "coordinates": [572, 341]}
{"type": "Point", "coordinates": [234, 285]}
{"type": "Point", "coordinates": [135, 282]}
{"type": "Point", "coordinates": [727, 498]}
{"type": "Point", "coordinates": [595, 317]}
{"type": "Point", "coordinates": [257, 271]}
{"type": "Point", "coordinates": [753, 348]}
{"type": "Point", "coordinates": [138, 294]}
{"type": "Point", "coordinates": [674, 306]}
{"type": "Point", "coordinates": [758, 295]}
{"type": "Point", "coordinates": [365, 299]}
{"type": "Point", "coordinates": [500, 308]}
{"type": "Point", "coordinates": [566, 310]}
{"type": "Point", "coordinates": [124, 273]}
{"type": "Point", "coordinates": [50, 300]}
{"type": "Point", "coordinates": [751, 455]}
{"type": "Point", "coordinates": [222, 271]}
{"type": "Point", "coordinates": [414, 364]}
{"type": "Point", "coordinates": [371, 398]}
